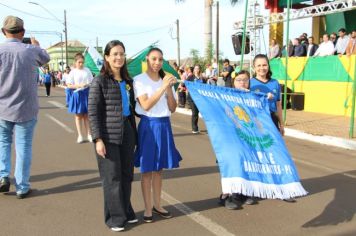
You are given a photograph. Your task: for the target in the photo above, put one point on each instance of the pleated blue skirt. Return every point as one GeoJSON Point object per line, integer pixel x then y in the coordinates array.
{"type": "Point", "coordinates": [156, 149]}
{"type": "Point", "coordinates": [78, 102]}
{"type": "Point", "coordinates": [69, 93]}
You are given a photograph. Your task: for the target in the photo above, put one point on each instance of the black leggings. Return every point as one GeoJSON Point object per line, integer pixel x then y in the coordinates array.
{"type": "Point", "coordinates": [275, 119]}
{"type": "Point", "coordinates": [48, 88]}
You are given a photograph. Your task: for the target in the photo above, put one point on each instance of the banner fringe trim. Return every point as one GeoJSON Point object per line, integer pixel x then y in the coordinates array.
{"type": "Point", "coordinates": [262, 190]}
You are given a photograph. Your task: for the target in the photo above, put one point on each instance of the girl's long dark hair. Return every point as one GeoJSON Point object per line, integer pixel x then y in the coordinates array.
{"type": "Point", "coordinates": [259, 56]}
{"type": "Point", "coordinates": [160, 72]}
{"type": "Point", "coordinates": [106, 69]}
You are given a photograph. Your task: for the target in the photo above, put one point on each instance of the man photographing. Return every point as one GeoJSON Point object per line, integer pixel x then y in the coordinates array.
{"type": "Point", "coordinates": [18, 102]}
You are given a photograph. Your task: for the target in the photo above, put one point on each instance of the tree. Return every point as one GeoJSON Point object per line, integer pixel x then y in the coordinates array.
{"type": "Point", "coordinates": [208, 23]}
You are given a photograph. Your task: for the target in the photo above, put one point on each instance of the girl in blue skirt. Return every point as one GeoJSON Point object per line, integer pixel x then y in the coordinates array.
{"type": "Point", "coordinates": [78, 80]}
{"type": "Point", "coordinates": [156, 149]}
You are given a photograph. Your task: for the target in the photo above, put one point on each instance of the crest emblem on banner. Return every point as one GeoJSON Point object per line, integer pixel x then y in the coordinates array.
{"type": "Point", "coordinates": [243, 121]}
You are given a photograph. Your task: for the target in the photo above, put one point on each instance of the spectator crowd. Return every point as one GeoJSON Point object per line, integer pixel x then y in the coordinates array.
{"type": "Point", "coordinates": [304, 46]}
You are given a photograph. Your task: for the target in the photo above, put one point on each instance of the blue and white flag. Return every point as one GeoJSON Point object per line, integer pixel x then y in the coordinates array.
{"type": "Point", "coordinates": [251, 153]}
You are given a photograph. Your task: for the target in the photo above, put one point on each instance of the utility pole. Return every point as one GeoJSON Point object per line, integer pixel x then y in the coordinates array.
{"type": "Point", "coordinates": [178, 44]}
{"type": "Point", "coordinates": [66, 35]}
{"type": "Point", "coordinates": [62, 52]}
{"type": "Point", "coordinates": [97, 43]}
{"type": "Point", "coordinates": [217, 36]}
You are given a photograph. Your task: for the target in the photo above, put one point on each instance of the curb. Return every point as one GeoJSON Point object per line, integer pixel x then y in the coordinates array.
{"type": "Point", "coordinates": [326, 140]}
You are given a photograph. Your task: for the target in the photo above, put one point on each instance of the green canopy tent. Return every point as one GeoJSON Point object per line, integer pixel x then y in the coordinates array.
{"type": "Point", "coordinates": [138, 64]}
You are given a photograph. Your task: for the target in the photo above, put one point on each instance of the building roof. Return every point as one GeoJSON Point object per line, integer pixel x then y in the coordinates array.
{"type": "Point", "coordinates": [71, 43]}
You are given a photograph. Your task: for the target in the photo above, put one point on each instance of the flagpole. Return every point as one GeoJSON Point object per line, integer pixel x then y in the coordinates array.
{"type": "Point", "coordinates": [244, 37]}
{"type": "Point", "coordinates": [287, 55]}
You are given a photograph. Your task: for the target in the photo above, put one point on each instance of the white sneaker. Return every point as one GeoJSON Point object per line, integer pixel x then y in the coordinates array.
{"type": "Point", "coordinates": [80, 139]}
{"type": "Point", "coordinates": [90, 138]}
{"type": "Point", "coordinates": [117, 229]}
{"type": "Point", "coordinates": [133, 221]}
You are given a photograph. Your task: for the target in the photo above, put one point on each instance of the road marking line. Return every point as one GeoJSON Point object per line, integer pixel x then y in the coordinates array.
{"type": "Point", "coordinates": [66, 128]}
{"type": "Point", "coordinates": [196, 216]}
{"type": "Point", "coordinates": [323, 167]}
{"type": "Point", "coordinates": [57, 104]}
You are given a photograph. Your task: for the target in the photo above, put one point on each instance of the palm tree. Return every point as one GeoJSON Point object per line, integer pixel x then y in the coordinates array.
{"type": "Point", "coordinates": [208, 23]}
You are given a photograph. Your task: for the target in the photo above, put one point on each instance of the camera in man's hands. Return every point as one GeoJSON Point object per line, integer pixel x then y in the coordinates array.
{"type": "Point", "coordinates": [26, 40]}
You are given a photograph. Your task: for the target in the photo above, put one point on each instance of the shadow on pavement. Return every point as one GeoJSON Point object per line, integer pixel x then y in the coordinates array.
{"type": "Point", "coordinates": [75, 186]}
{"type": "Point", "coordinates": [342, 208]}
{"type": "Point", "coordinates": [190, 134]}
{"type": "Point", "coordinates": [53, 175]}
{"type": "Point", "coordinates": [196, 206]}
{"type": "Point", "coordinates": [95, 181]}
{"type": "Point", "coordinates": [51, 96]}
{"type": "Point", "coordinates": [71, 187]}
{"type": "Point", "coordinates": [187, 172]}
{"type": "Point", "coordinates": [184, 172]}
{"type": "Point", "coordinates": [51, 108]}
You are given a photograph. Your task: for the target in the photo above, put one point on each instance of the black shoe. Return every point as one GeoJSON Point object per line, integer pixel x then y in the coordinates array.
{"type": "Point", "coordinates": [228, 203]}
{"type": "Point", "coordinates": [23, 195]}
{"type": "Point", "coordinates": [166, 215]}
{"type": "Point", "coordinates": [290, 200]}
{"type": "Point", "coordinates": [250, 201]}
{"type": "Point", "coordinates": [148, 219]}
{"type": "Point", "coordinates": [4, 185]}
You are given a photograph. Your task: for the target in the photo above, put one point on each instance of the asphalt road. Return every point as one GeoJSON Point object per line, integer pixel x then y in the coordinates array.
{"type": "Point", "coordinates": [67, 197]}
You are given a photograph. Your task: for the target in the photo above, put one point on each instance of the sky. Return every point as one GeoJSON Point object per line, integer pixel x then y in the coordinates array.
{"type": "Point", "coordinates": [137, 23]}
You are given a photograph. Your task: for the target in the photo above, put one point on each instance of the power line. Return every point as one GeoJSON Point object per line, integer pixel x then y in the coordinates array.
{"type": "Point", "coordinates": [26, 13]}
{"type": "Point", "coordinates": [86, 30]}
{"type": "Point", "coordinates": [124, 34]}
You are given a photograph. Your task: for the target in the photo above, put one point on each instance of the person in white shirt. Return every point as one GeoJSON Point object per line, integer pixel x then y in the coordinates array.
{"type": "Point", "coordinates": [65, 75]}
{"type": "Point", "coordinates": [156, 149]}
{"type": "Point", "coordinates": [274, 49]}
{"type": "Point", "coordinates": [79, 79]}
{"type": "Point", "coordinates": [326, 48]}
{"type": "Point", "coordinates": [342, 42]}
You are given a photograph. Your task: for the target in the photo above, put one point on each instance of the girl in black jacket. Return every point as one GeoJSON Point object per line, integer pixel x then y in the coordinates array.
{"type": "Point", "coordinates": [112, 122]}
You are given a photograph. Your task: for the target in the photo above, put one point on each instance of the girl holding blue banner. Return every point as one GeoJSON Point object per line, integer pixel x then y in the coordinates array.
{"type": "Point", "coordinates": [156, 149]}
{"type": "Point", "coordinates": [255, 162]}
{"type": "Point", "coordinates": [241, 82]}
{"type": "Point", "coordinates": [78, 80]}
{"type": "Point", "coordinates": [264, 83]}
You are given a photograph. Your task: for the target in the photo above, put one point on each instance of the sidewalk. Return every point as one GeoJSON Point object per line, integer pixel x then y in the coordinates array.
{"type": "Point", "coordinates": [321, 128]}
{"type": "Point", "coordinates": [315, 127]}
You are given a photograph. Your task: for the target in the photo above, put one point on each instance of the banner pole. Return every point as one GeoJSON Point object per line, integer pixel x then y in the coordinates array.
{"type": "Point", "coordinates": [287, 55]}
{"type": "Point", "coordinates": [352, 119]}
{"type": "Point", "coordinates": [244, 37]}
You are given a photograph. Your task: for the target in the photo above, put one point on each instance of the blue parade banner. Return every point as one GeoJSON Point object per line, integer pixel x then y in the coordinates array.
{"type": "Point", "coordinates": [252, 156]}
